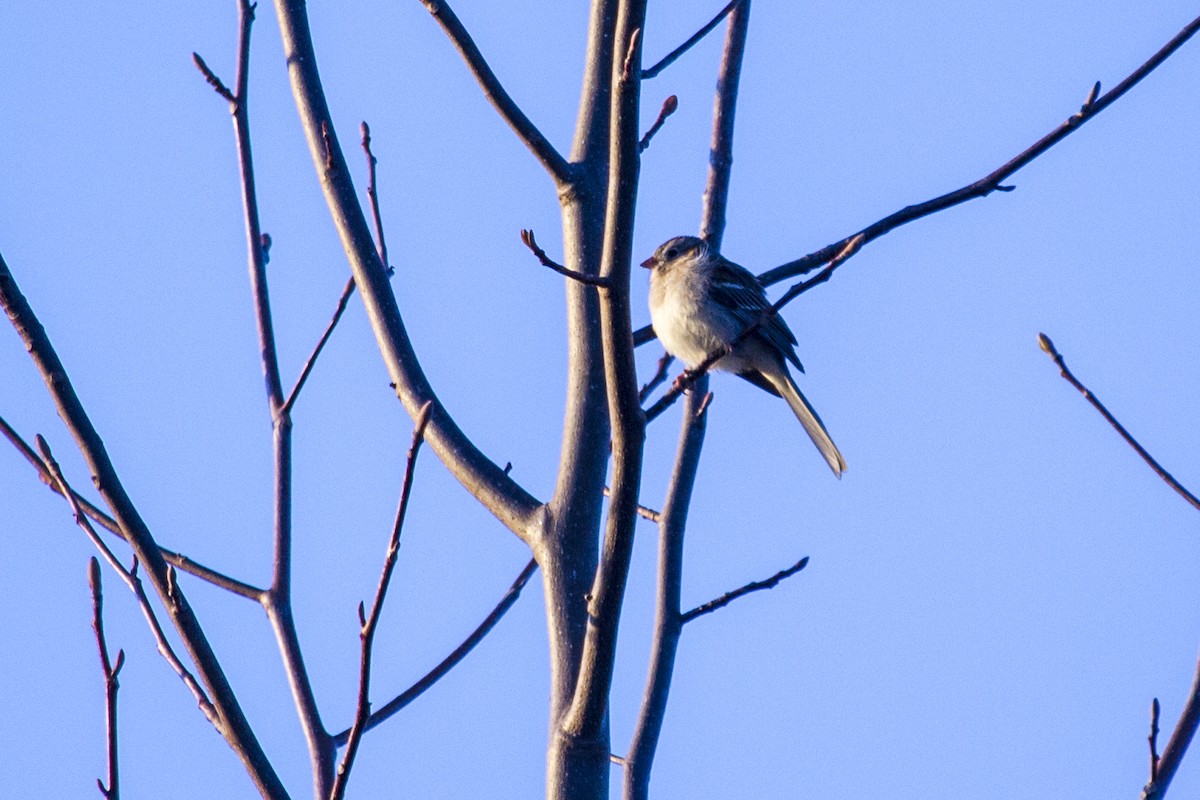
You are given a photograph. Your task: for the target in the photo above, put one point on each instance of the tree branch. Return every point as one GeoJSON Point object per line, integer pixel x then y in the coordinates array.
{"type": "Point", "coordinates": [753, 586]}
{"type": "Point", "coordinates": [672, 526]}
{"type": "Point", "coordinates": [538, 144]}
{"type": "Point", "coordinates": [591, 280]}
{"type": "Point", "coordinates": [500, 494]}
{"type": "Point", "coordinates": [113, 790]}
{"type": "Point", "coordinates": [981, 188]}
{"type": "Point", "coordinates": [669, 107]}
{"type": "Point", "coordinates": [277, 601]}
{"type": "Point", "coordinates": [670, 57]}
{"type": "Point", "coordinates": [1048, 348]}
{"type": "Point", "coordinates": [390, 708]}
{"type": "Point", "coordinates": [177, 560]}
{"type": "Point", "coordinates": [370, 622]}
{"type": "Point", "coordinates": [233, 724]}
{"type": "Point", "coordinates": [131, 579]}
{"type": "Point", "coordinates": [584, 723]}
{"type": "Point", "coordinates": [994, 180]}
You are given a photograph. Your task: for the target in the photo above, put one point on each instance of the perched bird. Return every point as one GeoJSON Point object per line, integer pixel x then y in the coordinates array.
{"type": "Point", "coordinates": [700, 302]}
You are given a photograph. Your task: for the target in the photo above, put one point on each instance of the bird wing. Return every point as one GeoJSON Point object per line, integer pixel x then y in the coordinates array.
{"type": "Point", "coordinates": [738, 291]}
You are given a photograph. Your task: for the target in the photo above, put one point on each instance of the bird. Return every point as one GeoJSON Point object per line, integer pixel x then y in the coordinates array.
{"type": "Point", "coordinates": [701, 302]}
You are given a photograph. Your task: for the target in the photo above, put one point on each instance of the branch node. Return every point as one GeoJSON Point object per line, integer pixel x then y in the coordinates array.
{"type": "Point", "coordinates": [1091, 99]}
{"type": "Point", "coordinates": [1005, 188]}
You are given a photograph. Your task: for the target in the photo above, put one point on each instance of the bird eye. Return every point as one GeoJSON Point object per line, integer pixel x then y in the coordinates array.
{"type": "Point", "coordinates": [671, 253]}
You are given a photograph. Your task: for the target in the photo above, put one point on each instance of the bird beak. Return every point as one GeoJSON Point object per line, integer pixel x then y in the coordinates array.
{"type": "Point", "coordinates": [650, 263]}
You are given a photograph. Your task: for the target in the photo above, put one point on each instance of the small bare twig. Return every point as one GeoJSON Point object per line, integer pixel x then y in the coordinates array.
{"type": "Point", "coordinates": [389, 709]}
{"type": "Point", "coordinates": [131, 579]}
{"type": "Point", "coordinates": [1048, 347]}
{"type": "Point", "coordinates": [669, 107]}
{"type": "Point", "coordinates": [670, 57]}
{"type": "Point", "coordinates": [1177, 745]}
{"type": "Point", "coordinates": [753, 586]}
{"type": "Point", "coordinates": [113, 790]}
{"type": "Point", "coordinates": [980, 188]}
{"type": "Point", "coordinates": [213, 80]}
{"type": "Point", "coordinates": [645, 512]}
{"type": "Point", "coordinates": [370, 622]}
{"type": "Point", "coordinates": [182, 562]}
{"type": "Point", "coordinates": [373, 195]}
{"type": "Point", "coordinates": [687, 378]}
{"type": "Point", "coordinates": [659, 377]}
{"type": "Point", "coordinates": [995, 180]}
{"type": "Point", "coordinates": [1153, 740]}
{"type": "Point", "coordinates": [530, 242]}
{"type": "Point", "coordinates": [311, 362]}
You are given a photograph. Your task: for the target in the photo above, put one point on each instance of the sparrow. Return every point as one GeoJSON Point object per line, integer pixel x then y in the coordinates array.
{"type": "Point", "coordinates": [700, 302]}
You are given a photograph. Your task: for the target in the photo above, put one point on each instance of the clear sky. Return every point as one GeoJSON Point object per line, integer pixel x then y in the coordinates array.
{"type": "Point", "coordinates": [998, 586]}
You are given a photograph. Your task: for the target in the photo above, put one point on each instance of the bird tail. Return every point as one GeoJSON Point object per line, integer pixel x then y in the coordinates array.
{"type": "Point", "coordinates": [811, 422]}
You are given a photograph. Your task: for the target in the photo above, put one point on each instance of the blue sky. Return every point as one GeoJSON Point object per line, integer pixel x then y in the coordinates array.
{"type": "Point", "coordinates": [998, 586]}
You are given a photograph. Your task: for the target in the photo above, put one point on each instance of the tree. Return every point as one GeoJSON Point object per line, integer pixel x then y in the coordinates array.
{"type": "Point", "coordinates": [513, 373]}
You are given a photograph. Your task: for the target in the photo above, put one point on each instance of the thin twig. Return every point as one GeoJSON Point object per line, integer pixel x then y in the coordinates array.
{"type": "Point", "coordinates": [233, 726]}
{"type": "Point", "coordinates": [277, 600]}
{"type": "Point", "coordinates": [1153, 740]}
{"type": "Point", "coordinates": [658, 378]}
{"type": "Point", "coordinates": [213, 80]}
{"type": "Point", "coordinates": [373, 195]}
{"type": "Point", "coordinates": [672, 525]}
{"type": "Point", "coordinates": [669, 107]}
{"type": "Point", "coordinates": [131, 579]}
{"type": "Point", "coordinates": [545, 260]}
{"type": "Point", "coordinates": [645, 512]}
{"type": "Point", "coordinates": [994, 181]}
{"type": "Point", "coordinates": [180, 561]}
{"type": "Point", "coordinates": [1177, 745]}
{"type": "Point", "coordinates": [113, 790]}
{"type": "Point", "coordinates": [390, 708]}
{"type": "Point", "coordinates": [496, 94]}
{"type": "Point", "coordinates": [370, 622]}
{"type": "Point", "coordinates": [515, 507]}
{"type": "Point", "coordinates": [753, 586]}
{"type": "Point", "coordinates": [1048, 348]}
{"type": "Point", "coordinates": [311, 362]}
{"type": "Point", "coordinates": [688, 377]}
{"type": "Point", "coordinates": [670, 57]}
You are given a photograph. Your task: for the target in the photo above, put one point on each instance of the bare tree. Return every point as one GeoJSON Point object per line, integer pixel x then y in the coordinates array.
{"type": "Point", "coordinates": [581, 542]}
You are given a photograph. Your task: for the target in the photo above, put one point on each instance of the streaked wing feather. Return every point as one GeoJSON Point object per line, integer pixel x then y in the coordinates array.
{"type": "Point", "coordinates": [739, 292]}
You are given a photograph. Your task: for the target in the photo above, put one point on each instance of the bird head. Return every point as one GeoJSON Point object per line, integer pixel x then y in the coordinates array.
{"type": "Point", "coordinates": [677, 250]}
